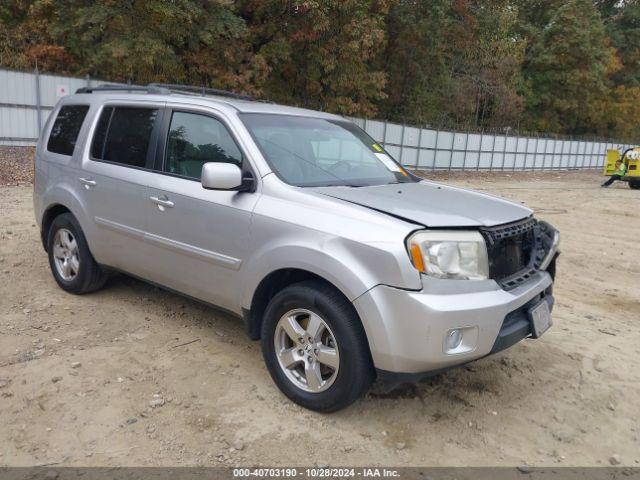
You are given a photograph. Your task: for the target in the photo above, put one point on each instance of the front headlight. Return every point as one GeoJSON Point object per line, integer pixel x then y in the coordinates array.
{"type": "Point", "coordinates": [449, 254]}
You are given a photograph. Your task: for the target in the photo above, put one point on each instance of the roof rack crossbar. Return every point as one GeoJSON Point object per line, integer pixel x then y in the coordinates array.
{"type": "Point", "coordinates": [152, 89]}
{"type": "Point", "coordinates": [200, 90]}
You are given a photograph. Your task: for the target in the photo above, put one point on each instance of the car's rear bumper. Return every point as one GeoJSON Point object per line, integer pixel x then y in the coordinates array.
{"type": "Point", "coordinates": [407, 330]}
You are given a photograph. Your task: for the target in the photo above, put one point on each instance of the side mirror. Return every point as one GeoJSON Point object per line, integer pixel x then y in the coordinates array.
{"type": "Point", "coordinates": [221, 176]}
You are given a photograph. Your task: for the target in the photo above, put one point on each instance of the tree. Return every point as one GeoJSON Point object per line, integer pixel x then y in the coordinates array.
{"type": "Point", "coordinates": [561, 66]}
{"type": "Point", "coordinates": [567, 64]}
{"type": "Point", "coordinates": [25, 41]}
{"type": "Point", "coordinates": [415, 61]}
{"type": "Point", "coordinates": [489, 63]}
{"type": "Point", "coordinates": [623, 30]}
{"type": "Point", "coordinates": [320, 53]}
{"type": "Point", "coordinates": [453, 62]}
{"type": "Point", "coordinates": [183, 41]}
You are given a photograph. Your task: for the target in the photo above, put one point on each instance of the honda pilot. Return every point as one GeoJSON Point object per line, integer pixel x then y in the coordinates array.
{"type": "Point", "coordinates": [346, 266]}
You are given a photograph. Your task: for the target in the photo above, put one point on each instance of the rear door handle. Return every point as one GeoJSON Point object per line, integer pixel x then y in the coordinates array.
{"type": "Point", "coordinates": [163, 202]}
{"type": "Point", "coordinates": [87, 182]}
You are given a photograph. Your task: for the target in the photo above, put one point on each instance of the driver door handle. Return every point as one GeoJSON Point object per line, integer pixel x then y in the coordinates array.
{"type": "Point", "coordinates": [164, 202]}
{"type": "Point", "coordinates": [88, 182]}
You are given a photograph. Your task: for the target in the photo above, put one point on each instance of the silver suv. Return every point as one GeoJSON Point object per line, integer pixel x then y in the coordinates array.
{"type": "Point", "coordinates": [346, 266]}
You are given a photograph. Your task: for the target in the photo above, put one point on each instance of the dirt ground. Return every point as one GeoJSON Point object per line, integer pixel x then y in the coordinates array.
{"type": "Point", "coordinates": [79, 374]}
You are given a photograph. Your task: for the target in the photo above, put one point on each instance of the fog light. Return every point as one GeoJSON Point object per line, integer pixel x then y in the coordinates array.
{"type": "Point", "coordinates": [454, 338]}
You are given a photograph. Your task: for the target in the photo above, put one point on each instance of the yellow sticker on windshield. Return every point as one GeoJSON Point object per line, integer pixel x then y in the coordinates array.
{"type": "Point", "coordinates": [390, 164]}
{"type": "Point", "coordinates": [376, 147]}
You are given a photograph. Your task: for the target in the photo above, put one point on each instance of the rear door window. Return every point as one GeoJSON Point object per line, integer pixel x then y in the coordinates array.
{"type": "Point", "coordinates": [123, 135]}
{"type": "Point", "coordinates": [66, 128]}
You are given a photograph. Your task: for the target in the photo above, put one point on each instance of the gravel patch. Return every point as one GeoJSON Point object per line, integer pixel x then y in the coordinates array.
{"type": "Point", "coordinates": [16, 165]}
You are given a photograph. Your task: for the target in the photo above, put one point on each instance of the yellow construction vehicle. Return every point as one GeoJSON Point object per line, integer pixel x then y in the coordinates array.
{"type": "Point", "coordinates": [630, 158]}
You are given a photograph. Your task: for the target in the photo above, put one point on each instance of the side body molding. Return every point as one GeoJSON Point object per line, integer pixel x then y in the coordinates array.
{"type": "Point", "coordinates": [184, 248]}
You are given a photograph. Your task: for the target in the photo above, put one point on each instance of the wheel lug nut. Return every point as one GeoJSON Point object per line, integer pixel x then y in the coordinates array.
{"type": "Point", "coordinates": [301, 353]}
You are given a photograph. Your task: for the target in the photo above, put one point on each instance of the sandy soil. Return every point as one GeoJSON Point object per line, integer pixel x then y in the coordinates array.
{"type": "Point", "coordinates": [78, 375]}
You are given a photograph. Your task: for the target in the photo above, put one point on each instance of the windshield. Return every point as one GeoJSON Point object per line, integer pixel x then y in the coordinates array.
{"type": "Point", "coordinates": [312, 152]}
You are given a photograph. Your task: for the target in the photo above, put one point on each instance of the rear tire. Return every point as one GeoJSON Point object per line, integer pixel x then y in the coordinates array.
{"type": "Point", "coordinates": [344, 374]}
{"type": "Point", "coordinates": [634, 184]}
{"type": "Point", "coordinates": [73, 267]}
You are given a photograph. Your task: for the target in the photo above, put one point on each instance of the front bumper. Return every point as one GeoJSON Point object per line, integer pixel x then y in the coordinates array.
{"type": "Point", "coordinates": [407, 330]}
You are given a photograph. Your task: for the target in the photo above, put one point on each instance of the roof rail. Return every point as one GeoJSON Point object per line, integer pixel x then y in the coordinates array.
{"type": "Point", "coordinates": [164, 89]}
{"type": "Point", "coordinates": [178, 88]}
{"type": "Point", "coordinates": [124, 88]}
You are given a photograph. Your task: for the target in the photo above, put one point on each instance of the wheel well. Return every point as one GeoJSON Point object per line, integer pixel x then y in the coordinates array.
{"type": "Point", "coordinates": [268, 287]}
{"type": "Point", "coordinates": [47, 219]}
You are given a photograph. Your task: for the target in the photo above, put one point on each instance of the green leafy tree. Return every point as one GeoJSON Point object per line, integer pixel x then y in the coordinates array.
{"type": "Point", "coordinates": [623, 29]}
{"type": "Point", "coordinates": [320, 53]}
{"type": "Point", "coordinates": [454, 62]}
{"type": "Point", "coordinates": [416, 61]}
{"type": "Point", "coordinates": [620, 114]}
{"type": "Point", "coordinates": [487, 74]}
{"type": "Point", "coordinates": [190, 41]}
{"type": "Point", "coordinates": [562, 66]}
{"type": "Point", "coordinates": [25, 41]}
{"type": "Point", "coordinates": [567, 64]}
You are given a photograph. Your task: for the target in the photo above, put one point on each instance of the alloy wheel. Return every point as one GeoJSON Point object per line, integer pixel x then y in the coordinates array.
{"type": "Point", "coordinates": [307, 350]}
{"type": "Point", "coordinates": [66, 255]}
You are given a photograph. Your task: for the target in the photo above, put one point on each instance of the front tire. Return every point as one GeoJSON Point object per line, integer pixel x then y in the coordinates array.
{"type": "Point", "coordinates": [315, 347]}
{"type": "Point", "coordinates": [634, 184]}
{"type": "Point", "coordinates": [73, 267]}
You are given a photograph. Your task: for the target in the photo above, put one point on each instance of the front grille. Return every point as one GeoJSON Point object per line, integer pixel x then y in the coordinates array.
{"type": "Point", "coordinates": [515, 251]}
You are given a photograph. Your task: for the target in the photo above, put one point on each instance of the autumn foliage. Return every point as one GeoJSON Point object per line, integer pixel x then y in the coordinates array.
{"type": "Point", "coordinates": [557, 66]}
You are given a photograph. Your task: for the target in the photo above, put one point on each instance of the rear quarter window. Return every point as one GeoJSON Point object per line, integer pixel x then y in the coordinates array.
{"type": "Point", "coordinates": [66, 128]}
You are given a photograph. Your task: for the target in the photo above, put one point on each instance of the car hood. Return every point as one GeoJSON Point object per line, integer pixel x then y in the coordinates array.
{"type": "Point", "coordinates": [432, 204]}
